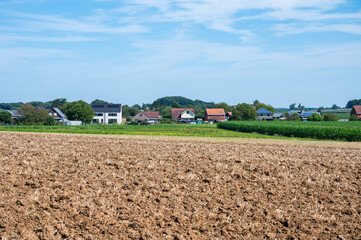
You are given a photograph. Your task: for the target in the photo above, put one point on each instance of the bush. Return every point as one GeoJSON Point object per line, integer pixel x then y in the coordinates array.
{"type": "Point", "coordinates": [330, 117]}
{"type": "Point", "coordinates": [5, 117]}
{"type": "Point", "coordinates": [301, 129]}
{"type": "Point", "coordinates": [353, 118]}
{"type": "Point", "coordinates": [315, 117]}
{"type": "Point", "coordinates": [166, 120]}
{"type": "Point", "coordinates": [128, 118]}
{"type": "Point", "coordinates": [133, 123]}
{"type": "Point", "coordinates": [293, 117]}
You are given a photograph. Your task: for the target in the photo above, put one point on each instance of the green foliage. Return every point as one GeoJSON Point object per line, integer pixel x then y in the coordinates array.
{"type": "Point", "coordinates": [267, 107]}
{"type": "Point", "coordinates": [199, 111]}
{"type": "Point", "coordinates": [176, 105]}
{"type": "Point", "coordinates": [31, 115]}
{"type": "Point", "coordinates": [293, 106]}
{"type": "Point", "coordinates": [225, 106]}
{"type": "Point", "coordinates": [183, 102]}
{"type": "Point", "coordinates": [10, 106]}
{"type": "Point", "coordinates": [353, 118]}
{"type": "Point", "coordinates": [334, 106]}
{"type": "Point", "coordinates": [130, 111]}
{"type": "Point", "coordinates": [244, 111]}
{"type": "Point", "coordinates": [315, 117]}
{"type": "Point", "coordinates": [5, 117]}
{"type": "Point", "coordinates": [98, 101]}
{"type": "Point", "coordinates": [167, 112]}
{"type": "Point", "coordinates": [49, 121]}
{"type": "Point", "coordinates": [128, 118]}
{"type": "Point", "coordinates": [353, 102]}
{"type": "Point", "coordinates": [330, 117]}
{"type": "Point", "coordinates": [59, 102]}
{"type": "Point", "coordinates": [79, 110]}
{"type": "Point", "coordinates": [293, 117]}
{"type": "Point", "coordinates": [319, 130]}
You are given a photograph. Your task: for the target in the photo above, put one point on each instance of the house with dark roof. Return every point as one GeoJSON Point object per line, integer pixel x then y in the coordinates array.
{"type": "Point", "coordinates": [14, 114]}
{"type": "Point", "coordinates": [144, 117]}
{"type": "Point", "coordinates": [183, 114]}
{"type": "Point", "coordinates": [107, 113]}
{"type": "Point", "coordinates": [356, 110]}
{"type": "Point", "coordinates": [215, 114]}
{"type": "Point", "coordinates": [264, 114]}
{"type": "Point", "coordinates": [58, 115]}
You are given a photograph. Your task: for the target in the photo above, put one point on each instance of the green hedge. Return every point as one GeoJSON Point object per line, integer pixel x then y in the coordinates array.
{"type": "Point", "coordinates": [319, 130]}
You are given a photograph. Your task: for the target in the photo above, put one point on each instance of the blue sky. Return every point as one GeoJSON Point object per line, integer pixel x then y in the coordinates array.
{"type": "Point", "coordinates": [135, 51]}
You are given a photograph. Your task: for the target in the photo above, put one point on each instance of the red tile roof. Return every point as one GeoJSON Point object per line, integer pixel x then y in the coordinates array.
{"type": "Point", "coordinates": [176, 112]}
{"type": "Point", "coordinates": [229, 113]}
{"type": "Point", "coordinates": [357, 109]}
{"type": "Point", "coordinates": [152, 114]}
{"type": "Point", "coordinates": [215, 111]}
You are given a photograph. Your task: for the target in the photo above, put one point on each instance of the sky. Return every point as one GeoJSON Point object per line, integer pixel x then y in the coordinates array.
{"type": "Point", "coordinates": [135, 51]}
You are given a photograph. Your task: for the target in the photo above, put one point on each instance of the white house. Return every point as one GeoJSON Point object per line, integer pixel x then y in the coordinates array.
{"type": "Point", "coordinates": [107, 113]}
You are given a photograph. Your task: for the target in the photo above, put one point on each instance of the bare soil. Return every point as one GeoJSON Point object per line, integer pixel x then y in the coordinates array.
{"type": "Point", "coordinates": [55, 186]}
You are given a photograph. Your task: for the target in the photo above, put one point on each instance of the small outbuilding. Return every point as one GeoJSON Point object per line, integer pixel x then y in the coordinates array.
{"type": "Point", "coordinates": [215, 114]}
{"type": "Point", "coordinates": [356, 110]}
{"type": "Point", "coordinates": [144, 117]}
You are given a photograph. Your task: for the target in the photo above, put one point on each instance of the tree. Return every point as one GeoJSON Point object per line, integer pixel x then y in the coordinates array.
{"type": "Point", "coordinates": [293, 106]}
{"type": "Point", "coordinates": [167, 112]}
{"type": "Point", "coordinates": [156, 105]}
{"type": "Point", "coordinates": [293, 117]}
{"type": "Point", "coordinates": [79, 110]}
{"type": "Point", "coordinates": [244, 111]}
{"type": "Point", "coordinates": [267, 107]}
{"type": "Point", "coordinates": [199, 111]}
{"type": "Point", "coordinates": [314, 117]}
{"type": "Point", "coordinates": [31, 115]}
{"type": "Point", "coordinates": [176, 105]}
{"type": "Point", "coordinates": [255, 102]}
{"type": "Point", "coordinates": [5, 117]}
{"type": "Point", "coordinates": [334, 106]}
{"type": "Point", "coordinates": [328, 117]}
{"type": "Point", "coordinates": [225, 106]}
{"type": "Point", "coordinates": [98, 101]}
{"type": "Point", "coordinates": [58, 102]}
{"type": "Point", "coordinates": [353, 102]}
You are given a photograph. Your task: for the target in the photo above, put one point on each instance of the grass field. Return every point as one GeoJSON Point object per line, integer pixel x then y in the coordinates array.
{"type": "Point", "coordinates": [206, 130]}
{"type": "Point", "coordinates": [349, 131]}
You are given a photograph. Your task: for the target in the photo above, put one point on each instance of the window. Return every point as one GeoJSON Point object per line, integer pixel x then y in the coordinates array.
{"type": "Point", "coordinates": [112, 114]}
{"type": "Point", "coordinates": [55, 114]}
{"type": "Point", "coordinates": [99, 114]}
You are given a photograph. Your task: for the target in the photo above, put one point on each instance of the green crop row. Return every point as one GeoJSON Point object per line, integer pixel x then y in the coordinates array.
{"type": "Point", "coordinates": [322, 130]}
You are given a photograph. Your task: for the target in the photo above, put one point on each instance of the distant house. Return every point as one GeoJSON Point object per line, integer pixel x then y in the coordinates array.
{"type": "Point", "coordinates": [356, 110]}
{"type": "Point", "coordinates": [147, 117]}
{"type": "Point", "coordinates": [107, 113]}
{"type": "Point", "coordinates": [214, 114]}
{"type": "Point", "coordinates": [279, 116]}
{"type": "Point", "coordinates": [58, 115]}
{"type": "Point", "coordinates": [291, 112]}
{"type": "Point", "coordinates": [264, 114]}
{"type": "Point", "coordinates": [183, 114]}
{"type": "Point", "coordinates": [14, 114]}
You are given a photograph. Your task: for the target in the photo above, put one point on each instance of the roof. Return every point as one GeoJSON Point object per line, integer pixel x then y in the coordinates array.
{"type": "Point", "coordinates": [176, 112]}
{"type": "Point", "coordinates": [229, 113]}
{"type": "Point", "coordinates": [306, 114]}
{"type": "Point", "coordinates": [278, 114]}
{"type": "Point", "coordinates": [263, 111]}
{"type": "Point", "coordinates": [357, 109]}
{"type": "Point", "coordinates": [151, 114]}
{"type": "Point", "coordinates": [60, 113]}
{"type": "Point", "coordinates": [14, 113]}
{"type": "Point", "coordinates": [215, 111]}
{"type": "Point", "coordinates": [107, 108]}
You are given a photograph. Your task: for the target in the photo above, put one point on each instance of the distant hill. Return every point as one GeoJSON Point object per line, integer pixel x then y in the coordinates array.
{"type": "Point", "coordinates": [184, 102]}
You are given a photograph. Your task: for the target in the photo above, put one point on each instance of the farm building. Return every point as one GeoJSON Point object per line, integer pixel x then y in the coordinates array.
{"type": "Point", "coordinates": [147, 117]}
{"type": "Point", "coordinates": [356, 110]}
{"type": "Point", "coordinates": [107, 113]}
{"type": "Point", "coordinates": [279, 116]}
{"type": "Point", "coordinates": [58, 115]}
{"type": "Point", "coordinates": [183, 114]}
{"type": "Point", "coordinates": [214, 114]}
{"type": "Point", "coordinates": [14, 114]}
{"type": "Point", "coordinates": [264, 114]}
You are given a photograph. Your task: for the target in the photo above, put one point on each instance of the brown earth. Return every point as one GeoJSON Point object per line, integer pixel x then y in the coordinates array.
{"type": "Point", "coordinates": [56, 186]}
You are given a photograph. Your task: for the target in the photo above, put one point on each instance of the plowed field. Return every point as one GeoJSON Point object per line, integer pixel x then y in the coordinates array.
{"type": "Point", "coordinates": [56, 186]}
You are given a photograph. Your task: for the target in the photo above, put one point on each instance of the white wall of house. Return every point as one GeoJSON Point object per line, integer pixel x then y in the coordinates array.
{"type": "Point", "coordinates": [108, 118]}
{"type": "Point", "coordinates": [187, 114]}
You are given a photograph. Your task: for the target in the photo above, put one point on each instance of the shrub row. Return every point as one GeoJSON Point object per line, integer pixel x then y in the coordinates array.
{"type": "Point", "coordinates": [297, 129]}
